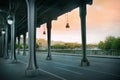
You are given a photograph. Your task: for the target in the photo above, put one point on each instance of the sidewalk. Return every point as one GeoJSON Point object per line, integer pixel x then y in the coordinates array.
{"type": "Point", "coordinates": [9, 71]}
{"type": "Point", "coordinates": [16, 71]}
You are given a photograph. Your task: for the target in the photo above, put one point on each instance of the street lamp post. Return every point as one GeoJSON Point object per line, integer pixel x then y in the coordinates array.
{"type": "Point", "coordinates": [10, 19]}
{"type": "Point", "coordinates": [3, 32]}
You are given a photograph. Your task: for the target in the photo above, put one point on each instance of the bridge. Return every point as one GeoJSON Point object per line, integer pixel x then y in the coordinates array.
{"type": "Point", "coordinates": [19, 17]}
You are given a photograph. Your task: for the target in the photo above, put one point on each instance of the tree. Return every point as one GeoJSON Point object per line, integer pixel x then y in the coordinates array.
{"type": "Point", "coordinates": [91, 46]}
{"type": "Point", "coordinates": [116, 44]}
{"type": "Point", "coordinates": [101, 45]}
{"type": "Point", "coordinates": [16, 46]}
{"type": "Point", "coordinates": [21, 46]}
{"type": "Point", "coordinates": [108, 42]}
{"type": "Point", "coordinates": [58, 46]}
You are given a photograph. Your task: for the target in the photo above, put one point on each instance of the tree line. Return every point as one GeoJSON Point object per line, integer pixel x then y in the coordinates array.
{"type": "Point", "coordinates": [66, 46]}
{"type": "Point", "coordinates": [110, 42]}
{"type": "Point", "coordinates": [72, 46]}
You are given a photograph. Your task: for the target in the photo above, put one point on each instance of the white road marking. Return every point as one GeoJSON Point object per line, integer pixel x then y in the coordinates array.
{"type": "Point", "coordinates": [87, 69]}
{"type": "Point", "coordinates": [66, 69]}
{"type": "Point", "coordinates": [47, 72]}
{"type": "Point", "coordinates": [70, 71]}
{"type": "Point", "coordinates": [53, 74]}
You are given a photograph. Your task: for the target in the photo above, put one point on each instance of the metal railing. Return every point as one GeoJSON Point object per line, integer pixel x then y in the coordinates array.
{"type": "Point", "coordinates": [89, 52]}
{"type": "Point", "coordinates": [112, 52]}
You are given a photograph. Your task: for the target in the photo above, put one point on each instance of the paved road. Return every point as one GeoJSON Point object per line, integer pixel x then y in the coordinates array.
{"type": "Point", "coordinates": [63, 67]}
{"type": "Point", "coordinates": [68, 67]}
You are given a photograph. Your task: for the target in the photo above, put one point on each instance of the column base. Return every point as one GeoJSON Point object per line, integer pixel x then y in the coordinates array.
{"type": "Point", "coordinates": [85, 62]}
{"type": "Point", "coordinates": [14, 62]}
{"type": "Point", "coordinates": [31, 72]}
{"type": "Point", "coordinates": [18, 53]}
{"type": "Point", "coordinates": [48, 58]}
{"type": "Point", "coordinates": [6, 57]}
{"type": "Point", "coordinates": [24, 54]}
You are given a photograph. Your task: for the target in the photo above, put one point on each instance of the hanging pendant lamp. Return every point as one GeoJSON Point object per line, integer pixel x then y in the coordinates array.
{"type": "Point", "coordinates": [44, 32]}
{"type": "Point", "coordinates": [67, 24]}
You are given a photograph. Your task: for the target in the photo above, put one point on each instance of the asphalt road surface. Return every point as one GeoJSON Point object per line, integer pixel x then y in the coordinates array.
{"type": "Point", "coordinates": [62, 67]}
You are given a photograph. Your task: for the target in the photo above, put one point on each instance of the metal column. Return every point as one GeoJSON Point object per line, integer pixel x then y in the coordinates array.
{"type": "Point", "coordinates": [24, 43]}
{"type": "Point", "coordinates": [49, 57]}
{"type": "Point", "coordinates": [3, 44]}
{"type": "Point", "coordinates": [82, 9]}
{"type": "Point", "coordinates": [13, 53]}
{"type": "Point", "coordinates": [0, 44]}
{"type": "Point", "coordinates": [32, 65]}
{"type": "Point", "coordinates": [18, 44]}
{"type": "Point", "coordinates": [6, 42]}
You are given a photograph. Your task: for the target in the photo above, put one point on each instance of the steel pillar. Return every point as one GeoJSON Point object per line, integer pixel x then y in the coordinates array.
{"type": "Point", "coordinates": [6, 56]}
{"type": "Point", "coordinates": [13, 41]}
{"type": "Point", "coordinates": [49, 57]}
{"type": "Point", "coordinates": [3, 44]}
{"type": "Point", "coordinates": [18, 44]}
{"type": "Point", "coordinates": [32, 65]}
{"type": "Point", "coordinates": [0, 45]}
{"type": "Point", "coordinates": [82, 9]}
{"type": "Point", "coordinates": [24, 43]}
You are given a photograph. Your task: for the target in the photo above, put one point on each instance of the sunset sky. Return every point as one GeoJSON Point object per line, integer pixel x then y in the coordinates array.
{"type": "Point", "coordinates": [103, 19]}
